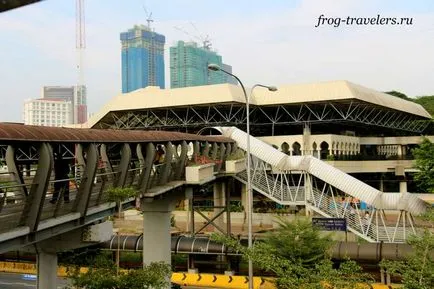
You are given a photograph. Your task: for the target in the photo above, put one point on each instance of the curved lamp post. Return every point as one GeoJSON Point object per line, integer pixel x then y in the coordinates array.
{"type": "Point", "coordinates": [215, 67]}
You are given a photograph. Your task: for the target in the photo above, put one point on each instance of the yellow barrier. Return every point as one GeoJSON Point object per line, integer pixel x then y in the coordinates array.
{"type": "Point", "coordinates": [220, 281]}
{"type": "Point", "coordinates": [183, 279]}
{"type": "Point", "coordinates": [236, 282]}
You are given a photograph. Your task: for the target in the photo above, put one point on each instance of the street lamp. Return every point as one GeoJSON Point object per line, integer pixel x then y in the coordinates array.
{"type": "Point", "coordinates": [215, 67]}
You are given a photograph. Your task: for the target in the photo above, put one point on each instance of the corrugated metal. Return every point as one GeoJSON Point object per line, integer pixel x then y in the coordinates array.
{"type": "Point", "coordinates": [343, 181]}
{"type": "Point", "coordinates": [20, 132]}
{"type": "Point", "coordinates": [327, 173]}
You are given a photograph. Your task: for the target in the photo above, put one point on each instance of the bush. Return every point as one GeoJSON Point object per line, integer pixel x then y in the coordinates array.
{"type": "Point", "coordinates": [120, 194]}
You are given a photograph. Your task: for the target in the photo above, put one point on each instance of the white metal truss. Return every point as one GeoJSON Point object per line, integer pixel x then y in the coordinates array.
{"type": "Point", "coordinates": [193, 118]}
{"type": "Point", "coordinates": [328, 191]}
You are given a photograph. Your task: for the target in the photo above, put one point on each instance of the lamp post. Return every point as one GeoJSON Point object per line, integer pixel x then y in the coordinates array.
{"type": "Point", "coordinates": [215, 67]}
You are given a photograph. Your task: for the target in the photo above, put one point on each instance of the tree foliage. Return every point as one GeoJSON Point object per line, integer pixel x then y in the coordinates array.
{"type": "Point", "coordinates": [427, 102]}
{"type": "Point", "coordinates": [120, 194]}
{"type": "Point", "coordinates": [398, 94]}
{"type": "Point", "coordinates": [102, 275]}
{"type": "Point", "coordinates": [417, 271]}
{"type": "Point", "coordinates": [424, 155]}
{"type": "Point", "coordinates": [298, 255]}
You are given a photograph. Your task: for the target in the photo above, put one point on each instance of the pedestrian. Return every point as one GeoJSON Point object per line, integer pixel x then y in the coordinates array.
{"type": "Point", "coordinates": [61, 179]}
{"type": "Point", "coordinates": [366, 221]}
{"type": "Point", "coordinates": [159, 155]}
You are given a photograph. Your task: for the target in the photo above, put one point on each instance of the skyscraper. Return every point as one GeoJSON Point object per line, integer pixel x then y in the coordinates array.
{"type": "Point", "coordinates": [75, 94]}
{"type": "Point", "coordinates": [142, 58]}
{"type": "Point", "coordinates": [189, 65]}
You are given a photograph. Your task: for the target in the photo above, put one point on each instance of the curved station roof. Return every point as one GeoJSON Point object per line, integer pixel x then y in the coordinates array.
{"type": "Point", "coordinates": [347, 102]}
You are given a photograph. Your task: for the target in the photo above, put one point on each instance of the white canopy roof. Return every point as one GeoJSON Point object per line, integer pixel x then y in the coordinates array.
{"type": "Point", "coordinates": [154, 97]}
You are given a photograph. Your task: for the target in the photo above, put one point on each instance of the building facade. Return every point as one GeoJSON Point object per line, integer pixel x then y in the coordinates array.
{"type": "Point", "coordinates": [48, 112]}
{"type": "Point", "coordinates": [189, 66]}
{"type": "Point", "coordinates": [142, 58]}
{"type": "Point", "coordinates": [58, 106]}
{"type": "Point", "coordinates": [74, 94]}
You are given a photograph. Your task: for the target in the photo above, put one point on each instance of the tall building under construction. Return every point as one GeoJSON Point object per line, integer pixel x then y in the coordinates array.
{"type": "Point", "coordinates": [189, 65]}
{"type": "Point", "coordinates": [142, 58]}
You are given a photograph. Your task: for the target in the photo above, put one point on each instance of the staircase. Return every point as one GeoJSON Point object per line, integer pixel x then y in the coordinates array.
{"type": "Point", "coordinates": [320, 188]}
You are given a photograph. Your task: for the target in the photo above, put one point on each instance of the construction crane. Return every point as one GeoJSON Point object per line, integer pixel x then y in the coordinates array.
{"type": "Point", "coordinates": [149, 19]}
{"type": "Point", "coordinates": [79, 103]}
{"type": "Point", "coordinates": [204, 40]}
{"type": "Point", "coordinates": [151, 75]}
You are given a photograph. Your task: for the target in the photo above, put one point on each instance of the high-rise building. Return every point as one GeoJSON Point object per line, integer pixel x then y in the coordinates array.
{"type": "Point", "coordinates": [59, 92]}
{"type": "Point", "coordinates": [229, 79]}
{"type": "Point", "coordinates": [76, 95]}
{"type": "Point", "coordinates": [58, 106]}
{"type": "Point", "coordinates": [142, 58]}
{"type": "Point", "coordinates": [189, 65]}
{"type": "Point", "coordinates": [48, 112]}
{"type": "Point", "coordinates": [80, 104]}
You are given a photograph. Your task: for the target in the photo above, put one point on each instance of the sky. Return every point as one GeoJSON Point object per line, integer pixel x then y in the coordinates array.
{"type": "Point", "coordinates": [272, 42]}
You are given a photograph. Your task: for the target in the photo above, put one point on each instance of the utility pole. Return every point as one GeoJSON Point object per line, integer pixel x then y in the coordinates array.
{"type": "Point", "coordinates": [79, 105]}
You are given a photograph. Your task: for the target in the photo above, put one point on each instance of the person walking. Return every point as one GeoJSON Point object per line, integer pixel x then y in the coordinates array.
{"type": "Point", "coordinates": [366, 220]}
{"type": "Point", "coordinates": [61, 179]}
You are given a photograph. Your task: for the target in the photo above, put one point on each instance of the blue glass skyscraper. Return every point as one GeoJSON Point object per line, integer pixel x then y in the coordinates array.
{"type": "Point", "coordinates": [142, 58]}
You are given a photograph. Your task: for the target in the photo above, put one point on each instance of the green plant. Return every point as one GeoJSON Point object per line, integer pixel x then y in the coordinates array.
{"type": "Point", "coordinates": [417, 271]}
{"type": "Point", "coordinates": [172, 221]}
{"type": "Point", "coordinates": [102, 275]}
{"type": "Point", "coordinates": [120, 194]}
{"type": "Point", "coordinates": [330, 157]}
{"type": "Point", "coordinates": [236, 208]}
{"type": "Point", "coordinates": [425, 164]}
{"type": "Point", "coordinates": [236, 155]}
{"type": "Point", "coordinates": [297, 254]}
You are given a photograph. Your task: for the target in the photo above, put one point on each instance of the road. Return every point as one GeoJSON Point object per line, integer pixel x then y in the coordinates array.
{"type": "Point", "coordinates": [19, 281]}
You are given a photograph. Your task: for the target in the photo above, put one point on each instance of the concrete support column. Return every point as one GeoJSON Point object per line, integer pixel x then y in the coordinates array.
{"type": "Point", "coordinates": [403, 186]}
{"type": "Point", "coordinates": [399, 150]}
{"type": "Point", "coordinates": [156, 230]}
{"type": "Point", "coordinates": [219, 201]}
{"type": "Point", "coordinates": [306, 140]}
{"type": "Point", "coordinates": [381, 183]}
{"type": "Point", "coordinates": [244, 204]}
{"type": "Point", "coordinates": [189, 210]}
{"type": "Point", "coordinates": [47, 270]}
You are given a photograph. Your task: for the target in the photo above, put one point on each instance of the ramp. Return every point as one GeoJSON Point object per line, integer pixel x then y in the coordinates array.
{"type": "Point", "coordinates": [294, 180]}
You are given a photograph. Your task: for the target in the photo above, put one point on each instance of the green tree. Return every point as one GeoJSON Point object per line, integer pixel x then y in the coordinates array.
{"type": "Point", "coordinates": [417, 271]}
{"type": "Point", "coordinates": [298, 255]}
{"type": "Point", "coordinates": [398, 94]}
{"type": "Point", "coordinates": [424, 155]}
{"type": "Point", "coordinates": [427, 102]}
{"type": "Point", "coordinates": [118, 195]}
{"type": "Point", "coordinates": [102, 275]}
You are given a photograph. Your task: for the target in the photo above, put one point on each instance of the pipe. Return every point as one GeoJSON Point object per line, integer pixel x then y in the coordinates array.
{"type": "Point", "coordinates": [368, 252]}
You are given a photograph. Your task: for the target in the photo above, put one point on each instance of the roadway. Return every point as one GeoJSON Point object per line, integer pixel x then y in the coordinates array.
{"type": "Point", "coordinates": [19, 281]}
{"type": "Point", "coordinates": [24, 281]}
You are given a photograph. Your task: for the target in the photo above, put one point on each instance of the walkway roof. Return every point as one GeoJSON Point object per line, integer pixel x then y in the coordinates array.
{"type": "Point", "coordinates": [31, 133]}
{"type": "Point", "coordinates": [154, 97]}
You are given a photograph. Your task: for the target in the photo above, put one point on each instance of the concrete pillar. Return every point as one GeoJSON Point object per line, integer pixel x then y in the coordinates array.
{"type": "Point", "coordinates": [47, 270]}
{"type": "Point", "coordinates": [381, 183]}
{"type": "Point", "coordinates": [244, 204]}
{"type": "Point", "coordinates": [189, 210]}
{"type": "Point", "coordinates": [306, 140]}
{"type": "Point", "coordinates": [219, 201]}
{"type": "Point", "coordinates": [403, 186]}
{"type": "Point", "coordinates": [156, 230]}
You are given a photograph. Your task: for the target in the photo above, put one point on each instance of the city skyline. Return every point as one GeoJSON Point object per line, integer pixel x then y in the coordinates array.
{"type": "Point", "coordinates": [189, 65]}
{"type": "Point", "coordinates": [268, 43]}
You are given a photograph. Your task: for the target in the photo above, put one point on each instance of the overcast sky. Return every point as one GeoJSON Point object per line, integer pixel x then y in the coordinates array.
{"type": "Point", "coordinates": [270, 42]}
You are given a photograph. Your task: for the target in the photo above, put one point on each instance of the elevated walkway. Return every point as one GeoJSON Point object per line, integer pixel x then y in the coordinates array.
{"type": "Point", "coordinates": [295, 180]}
